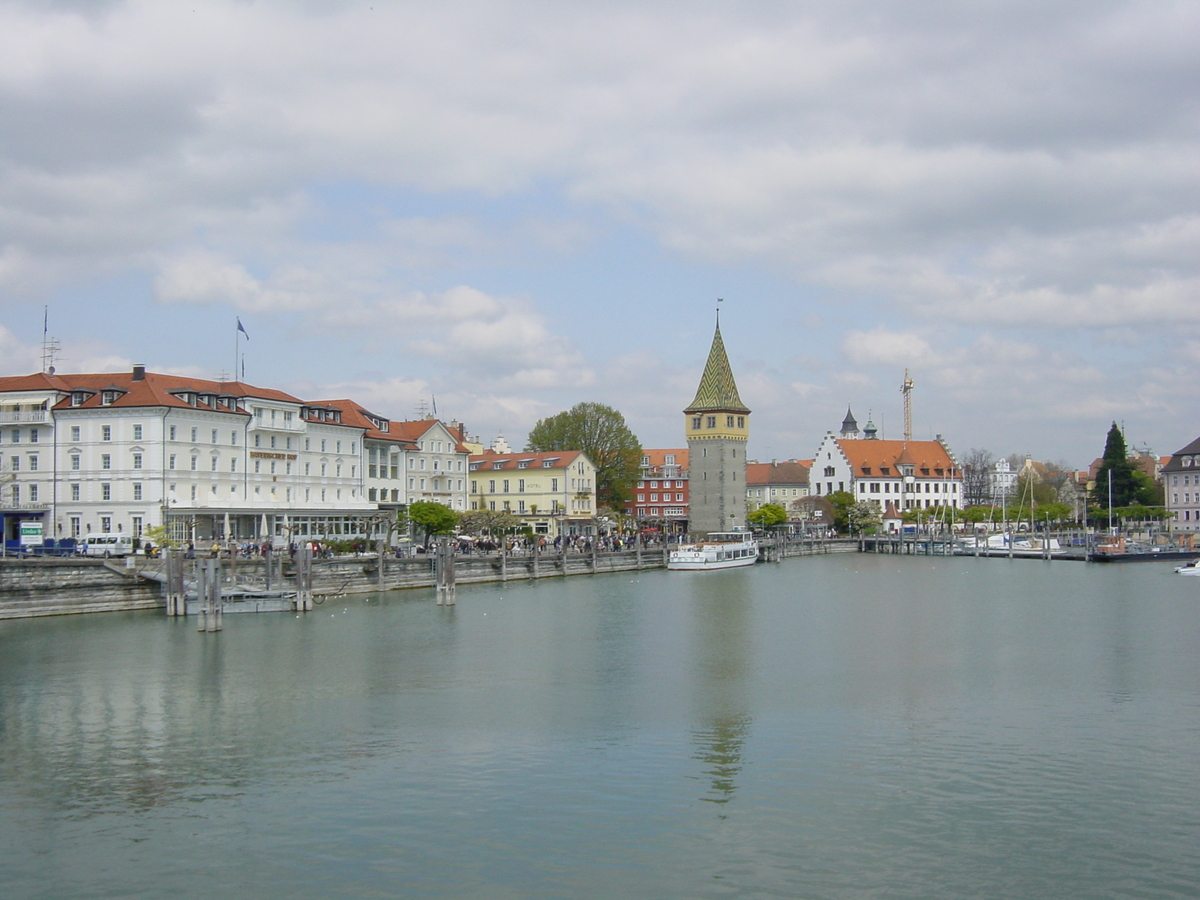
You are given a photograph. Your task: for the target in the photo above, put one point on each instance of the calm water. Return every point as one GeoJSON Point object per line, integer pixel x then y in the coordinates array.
{"type": "Point", "coordinates": [836, 727]}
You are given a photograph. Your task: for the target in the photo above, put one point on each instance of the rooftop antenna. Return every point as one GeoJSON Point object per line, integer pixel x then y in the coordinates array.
{"type": "Point", "coordinates": [49, 345]}
{"type": "Point", "coordinates": [720, 300]}
{"type": "Point", "coordinates": [906, 390]}
{"type": "Point", "coordinates": [422, 409]}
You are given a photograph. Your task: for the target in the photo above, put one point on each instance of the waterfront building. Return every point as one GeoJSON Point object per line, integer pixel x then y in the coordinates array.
{"type": "Point", "coordinates": [551, 492]}
{"type": "Point", "coordinates": [660, 497]}
{"type": "Point", "coordinates": [1181, 486]}
{"type": "Point", "coordinates": [717, 426]}
{"type": "Point", "coordinates": [912, 474]}
{"type": "Point", "coordinates": [782, 483]}
{"type": "Point", "coordinates": [121, 452]}
{"type": "Point", "coordinates": [423, 459]}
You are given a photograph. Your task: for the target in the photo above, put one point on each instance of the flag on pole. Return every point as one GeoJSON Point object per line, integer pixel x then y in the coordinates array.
{"type": "Point", "coordinates": [241, 328]}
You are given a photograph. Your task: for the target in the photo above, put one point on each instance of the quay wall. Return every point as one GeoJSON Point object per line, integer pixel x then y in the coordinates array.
{"type": "Point", "coordinates": [51, 587]}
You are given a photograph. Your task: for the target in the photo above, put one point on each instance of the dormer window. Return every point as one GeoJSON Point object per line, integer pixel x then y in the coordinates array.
{"type": "Point", "coordinates": [498, 465]}
{"type": "Point", "coordinates": [78, 398]}
{"type": "Point", "coordinates": [107, 398]}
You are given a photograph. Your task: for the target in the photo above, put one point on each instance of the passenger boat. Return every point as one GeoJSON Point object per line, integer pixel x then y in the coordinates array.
{"type": "Point", "coordinates": [720, 550]}
{"type": "Point", "coordinates": [1191, 567]}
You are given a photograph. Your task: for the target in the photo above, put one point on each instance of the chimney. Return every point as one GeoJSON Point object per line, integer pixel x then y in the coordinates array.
{"type": "Point", "coordinates": [139, 373]}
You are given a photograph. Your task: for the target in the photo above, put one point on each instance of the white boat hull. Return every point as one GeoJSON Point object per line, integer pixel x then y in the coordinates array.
{"type": "Point", "coordinates": [707, 555]}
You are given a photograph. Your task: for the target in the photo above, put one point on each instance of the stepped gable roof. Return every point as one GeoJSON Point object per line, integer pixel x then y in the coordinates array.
{"type": "Point", "coordinates": [144, 389]}
{"type": "Point", "coordinates": [717, 391]}
{"type": "Point", "coordinates": [789, 472]}
{"type": "Point", "coordinates": [869, 458]}
{"type": "Point", "coordinates": [490, 460]}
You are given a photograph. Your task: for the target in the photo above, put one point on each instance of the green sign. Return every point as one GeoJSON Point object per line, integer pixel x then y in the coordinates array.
{"type": "Point", "coordinates": [31, 534]}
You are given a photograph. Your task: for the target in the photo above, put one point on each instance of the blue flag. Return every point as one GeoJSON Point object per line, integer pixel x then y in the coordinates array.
{"type": "Point", "coordinates": [241, 329]}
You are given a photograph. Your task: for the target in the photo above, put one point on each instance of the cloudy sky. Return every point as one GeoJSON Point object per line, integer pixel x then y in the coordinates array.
{"type": "Point", "coordinates": [512, 207]}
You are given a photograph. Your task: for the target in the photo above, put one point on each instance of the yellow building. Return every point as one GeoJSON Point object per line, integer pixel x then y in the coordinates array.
{"type": "Point", "coordinates": [552, 493]}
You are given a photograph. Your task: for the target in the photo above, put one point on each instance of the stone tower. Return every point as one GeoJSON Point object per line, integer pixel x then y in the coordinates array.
{"type": "Point", "coordinates": [717, 428]}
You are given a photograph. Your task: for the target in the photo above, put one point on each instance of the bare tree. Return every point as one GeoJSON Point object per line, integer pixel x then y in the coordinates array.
{"type": "Point", "coordinates": [977, 469]}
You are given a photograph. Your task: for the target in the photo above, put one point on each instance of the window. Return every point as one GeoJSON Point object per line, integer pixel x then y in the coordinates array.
{"type": "Point", "coordinates": [106, 432]}
{"type": "Point", "coordinates": [214, 435]}
{"type": "Point", "coordinates": [106, 493]}
{"type": "Point", "coordinates": [75, 492]}
{"type": "Point", "coordinates": [33, 435]}
{"type": "Point", "coordinates": [233, 438]}
{"type": "Point", "coordinates": [729, 421]}
{"type": "Point", "coordinates": [195, 435]}
{"type": "Point", "coordinates": [137, 460]}
{"type": "Point", "coordinates": [712, 422]}
{"type": "Point", "coordinates": [195, 463]}
{"type": "Point", "coordinates": [171, 461]}
{"type": "Point", "coordinates": [695, 423]}
{"type": "Point", "coordinates": [215, 462]}
{"type": "Point", "coordinates": [33, 493]}
{"type": "Point", "coordinates": [106, 523]}
{"type": "Point", "coordinates": [172, 432]}
{"type": "Point", "coordinates": [741, 422]}
{"type": "Point", "coordinates": [137, 432]}
{"type": "Point", "coordinates": [233, 464]}
{"type": "Point", "coordinates": [33, 462]}
{"type": "Point", "coordinates": [137, 491]}
{"type": "Point", "coordinates": [105, 461]}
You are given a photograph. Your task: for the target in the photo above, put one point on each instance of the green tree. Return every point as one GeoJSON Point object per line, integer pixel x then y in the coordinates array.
{"type": "Point", "coordinates": [600, 432]}
{"type": "Point", "coordinates": [842, 501]}
{"type": "Point", "coordinates": [767, 515]}
{"type": "Point", "coordinates": [434, 518]}
{"type": "Point", "coordinates": [1117, 470]}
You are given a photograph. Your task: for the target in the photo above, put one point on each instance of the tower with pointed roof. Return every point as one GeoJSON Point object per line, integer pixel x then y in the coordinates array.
{"type": "Point", "coordinates": [717, 428]}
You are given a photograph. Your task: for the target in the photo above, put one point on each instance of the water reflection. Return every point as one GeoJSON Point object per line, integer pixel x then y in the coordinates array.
{"type": "Point", "coordinates": [722, 612]}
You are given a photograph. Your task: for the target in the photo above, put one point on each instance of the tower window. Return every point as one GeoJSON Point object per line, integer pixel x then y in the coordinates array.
{"type": "Point", "coordinates": [696, 423]}
{"type": "Point", "coordinates": [712, 421]}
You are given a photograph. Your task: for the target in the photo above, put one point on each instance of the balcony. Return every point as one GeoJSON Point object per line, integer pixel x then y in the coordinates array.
{"type": "Point", "coordinates": [23, 415]}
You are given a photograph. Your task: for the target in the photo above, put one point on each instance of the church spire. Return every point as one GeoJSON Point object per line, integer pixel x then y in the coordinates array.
{"type": "Point", "coordinates": [717, 390]}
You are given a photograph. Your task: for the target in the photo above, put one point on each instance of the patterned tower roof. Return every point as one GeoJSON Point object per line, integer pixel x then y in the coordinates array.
{"type": "Point", "coordinates": [717, 391]}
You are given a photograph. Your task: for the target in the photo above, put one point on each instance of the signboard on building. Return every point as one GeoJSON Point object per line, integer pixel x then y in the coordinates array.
{"type": "Point", "coordinates": [31, 534]}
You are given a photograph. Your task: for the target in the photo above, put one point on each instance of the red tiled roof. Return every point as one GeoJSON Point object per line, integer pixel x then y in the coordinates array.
{"type": "Point", "coordinates": [787, 472]}
{"type": "Point", "coordinates": [875, 455]}
{"type": "Point", "coordinates": [489, 459]}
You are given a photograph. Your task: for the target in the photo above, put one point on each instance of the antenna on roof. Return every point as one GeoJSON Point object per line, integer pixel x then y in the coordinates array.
{"type": "Point", "coordinates": [49, 345]}
{"type": "Point", "coordinates": [906, 390]}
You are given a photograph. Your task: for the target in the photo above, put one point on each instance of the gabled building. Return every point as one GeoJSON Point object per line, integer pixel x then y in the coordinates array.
{"type": "Point", "coordinates": [552, 492]}
{"type": "Point", "coordinates": [717, 426]}
{"type": "Point", "coordinates": [911, 474]}
{"type": "Point", "coordinates": [782, 483]}
{"type": "Point", "coordinates": [409, 461]}
{"type": "Point", "coordinates": [1181, 484]}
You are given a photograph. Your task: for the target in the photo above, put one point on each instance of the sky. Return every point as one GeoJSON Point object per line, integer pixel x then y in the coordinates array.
{"type": "Point", "coordinates": [503, 209]}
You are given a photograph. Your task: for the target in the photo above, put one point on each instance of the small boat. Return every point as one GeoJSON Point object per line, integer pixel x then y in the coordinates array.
{"type": "Point", "coordinates": [1191, 567]}
{"type": "Point", "coordinates": [720, 550]}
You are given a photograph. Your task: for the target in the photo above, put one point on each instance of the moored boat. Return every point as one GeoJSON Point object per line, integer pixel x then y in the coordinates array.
{"type": "Point", "coordinates": [719, 550]}
{"type": "Point", "coordinates": [1191, 567]}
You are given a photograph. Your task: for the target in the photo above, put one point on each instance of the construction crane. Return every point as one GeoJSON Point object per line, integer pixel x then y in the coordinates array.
{"type": "Point", "coordinates": [906, 390]}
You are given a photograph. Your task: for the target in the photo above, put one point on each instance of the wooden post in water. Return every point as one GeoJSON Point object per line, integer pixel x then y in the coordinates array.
{"type": "Point", "coordinates": [173, 572]}
{"type": "Point", "coordinates": [445, 571]}
{"type": "Point", "coordinates": [304, 578]}
{"type": "Point", "coordinates": [537, 555]}
{"type": "Point", "coordinates": [208, 586]}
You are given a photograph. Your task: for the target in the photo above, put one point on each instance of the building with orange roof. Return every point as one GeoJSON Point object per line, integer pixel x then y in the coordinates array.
{"type": "Point", "coordinates": [422, 459]}
{"type": "Point", "coordinates": [782, 483]}
{"type": "Point", "coordinates": [911, 474]}
{"type": "Point", "coordinates": [552, 492]}
{"type": "Point", "coordinates": [212, 460]}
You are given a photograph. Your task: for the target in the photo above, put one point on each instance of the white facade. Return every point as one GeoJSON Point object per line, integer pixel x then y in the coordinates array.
{"type": "Point", "coordinates": [124, 452]}
{"type": "Point", "coordinates": [910, 474]}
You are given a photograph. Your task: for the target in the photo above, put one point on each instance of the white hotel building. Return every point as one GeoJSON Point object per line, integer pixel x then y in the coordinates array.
{"type": "Point", "coordinates": [124, 451]}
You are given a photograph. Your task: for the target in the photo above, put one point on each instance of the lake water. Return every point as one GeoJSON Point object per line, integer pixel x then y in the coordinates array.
{"type": "Point", "coordinates": [844, 726]}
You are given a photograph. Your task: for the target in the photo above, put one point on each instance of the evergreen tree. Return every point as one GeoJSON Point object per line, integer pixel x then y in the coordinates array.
{"type": "Point", "coordinates": [1116, 468]}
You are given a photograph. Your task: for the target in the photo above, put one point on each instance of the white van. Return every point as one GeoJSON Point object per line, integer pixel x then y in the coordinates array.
{"type": "Point", "coordinates": [106, 545]}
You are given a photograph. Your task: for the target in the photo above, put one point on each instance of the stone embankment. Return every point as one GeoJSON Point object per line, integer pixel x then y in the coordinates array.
{"type": "Point", "coordinates": [50, 587]}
